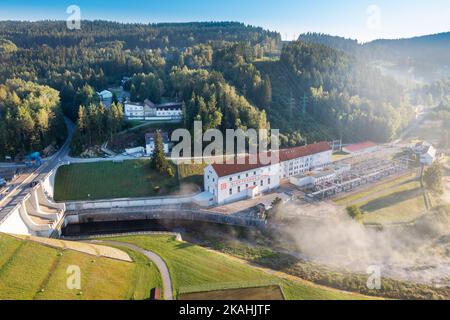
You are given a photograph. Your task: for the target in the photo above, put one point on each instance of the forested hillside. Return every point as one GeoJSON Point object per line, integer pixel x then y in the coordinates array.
{"type": "Point", "coordinates": [425, 57]}
{"type": "Point", "coordinates": [30, 118]}
{"type": "Point", "coordinates": [328, 93]}
{"type": "Point", "coordinates": [150, 36]}
{"type": "Point", "coordinates": [228, 75]}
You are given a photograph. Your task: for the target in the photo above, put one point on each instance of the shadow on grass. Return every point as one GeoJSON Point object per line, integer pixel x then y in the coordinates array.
{"type": "Point", "coordinates": [184, 245]}
{"type": "Point", "coordinates": [392, 199]}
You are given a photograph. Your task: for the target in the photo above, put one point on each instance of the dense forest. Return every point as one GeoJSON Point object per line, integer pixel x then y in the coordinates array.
{"type": "Point", "coordinates": [30, 118]}
{"type": "Point", "coordinates": [227, 74]}
{"type": "Point", "coordinates": [328, 93]}
{"type": "Point", "coordinates": [146, 36]}
{"type": "Point", "coordinates": [425, 57]}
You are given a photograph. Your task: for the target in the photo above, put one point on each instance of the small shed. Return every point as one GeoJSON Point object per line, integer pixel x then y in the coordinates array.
{"type": "Point", "coordinates": [8, 174]}
{"type": "Point", "coordinates": [155, 294]}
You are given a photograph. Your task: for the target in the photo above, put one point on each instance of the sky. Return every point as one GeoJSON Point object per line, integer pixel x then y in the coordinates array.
{"type": "Point", "coordinates": [364, 20]}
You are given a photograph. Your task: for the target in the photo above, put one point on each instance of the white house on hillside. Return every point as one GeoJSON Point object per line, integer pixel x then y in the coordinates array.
{"type": "Point", "coordinates": [427, 153]}
{"type": "Point", "coordinates": [150, 141]}
{"type": "Point", "coordinates": [105, 97]}
{"type": "Point", "coordinates": [150, 111]}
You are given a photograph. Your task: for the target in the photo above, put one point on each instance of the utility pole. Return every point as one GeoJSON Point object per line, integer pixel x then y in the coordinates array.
{"type": "Point", "coordinates": [291, 105]}
{"type": "Point", "coordinates": [305, 101]}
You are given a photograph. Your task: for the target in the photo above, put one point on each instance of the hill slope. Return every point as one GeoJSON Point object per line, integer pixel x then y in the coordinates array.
{"type": "Point", "coordinates": [33, 271]}
{"type": "Point", "coordinates": [195, 269]}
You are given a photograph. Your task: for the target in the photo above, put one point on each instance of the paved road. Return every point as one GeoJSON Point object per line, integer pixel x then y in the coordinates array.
{"type": "Point", "coordinates": [23, 186]}
{"type": "Point", "coordinates": [160, 264]}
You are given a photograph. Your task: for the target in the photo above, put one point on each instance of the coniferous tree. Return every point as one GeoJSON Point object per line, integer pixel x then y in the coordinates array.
{"type": "Point", "coordinates": [159, 161]}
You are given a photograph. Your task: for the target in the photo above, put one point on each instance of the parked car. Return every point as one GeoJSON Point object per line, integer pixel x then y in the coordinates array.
{"type": "Point", "coordinates": [34, 184]}
{"type": "Point", "coordinates": [3, 183]}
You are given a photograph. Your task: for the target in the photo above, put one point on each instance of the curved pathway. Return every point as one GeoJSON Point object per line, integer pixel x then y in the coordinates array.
{"type": "Point", "coordinates": [160, 264]}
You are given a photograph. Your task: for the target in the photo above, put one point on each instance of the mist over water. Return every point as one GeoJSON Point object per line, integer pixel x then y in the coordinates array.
{"type": "Point", "coordinates": [418, 252]}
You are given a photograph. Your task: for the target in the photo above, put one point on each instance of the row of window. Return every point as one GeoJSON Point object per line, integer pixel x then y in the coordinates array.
{"type": "Point", "coordinates": [239, 189]}
{"type": "Point", "coordinates": [168, 113]}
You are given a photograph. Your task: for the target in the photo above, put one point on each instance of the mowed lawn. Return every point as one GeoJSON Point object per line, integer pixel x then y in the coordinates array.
{"type": "Point", "coordinates": [273, 292]}
{"type": "Point", "coordinates": [195, 269]}
{"type": "Point", "coordinates": [31, 271]}
{"type": "Point", "coordinates": [108, 180]}
{"type": "Point", "coordinates": [404, 204]}
{"type": "Point", "coordinates": [397, 201]}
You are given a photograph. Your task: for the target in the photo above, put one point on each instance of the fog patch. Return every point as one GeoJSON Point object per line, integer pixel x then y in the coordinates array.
{"type": "Point", "coordinates": [188, 189]}
{"type": "Point", "coordinates": [419, 252]}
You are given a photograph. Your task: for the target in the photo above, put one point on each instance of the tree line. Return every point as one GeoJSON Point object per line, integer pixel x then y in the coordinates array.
{"type": "Point", "coordinates": [95, 125]}
{"type": "Point", "coordinates": [30, 118]}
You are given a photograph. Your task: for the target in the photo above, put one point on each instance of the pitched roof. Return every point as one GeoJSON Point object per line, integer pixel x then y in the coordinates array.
{"type": "Point", "coordinates": [360, 146]}
{"type": "Point", "coordinates": [300, 152]}
{"type": "Point", "coordinates": [225, 169]}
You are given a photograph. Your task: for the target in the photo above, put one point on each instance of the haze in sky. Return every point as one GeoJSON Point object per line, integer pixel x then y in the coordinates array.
{"type": "Point", "coordinates": [364, 20]}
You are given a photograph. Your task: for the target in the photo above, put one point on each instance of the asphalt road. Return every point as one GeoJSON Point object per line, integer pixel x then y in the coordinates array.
{"type": "Point", "coordinates": [157, 260]}
{"type": "Point", "coordinates": [22, 183]}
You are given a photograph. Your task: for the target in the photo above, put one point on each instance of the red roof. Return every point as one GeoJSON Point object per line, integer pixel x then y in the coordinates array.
{"type": "Point", "coordinates": [300, 152]}
{"type": "Point", "coordinates": [360, 146]}
{"type": "Point", "coordinates": [226, 169]}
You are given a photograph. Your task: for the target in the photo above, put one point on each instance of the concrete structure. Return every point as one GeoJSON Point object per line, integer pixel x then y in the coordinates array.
{"type": "Point", "coordinates": [229, 183]}
{"type": "Point", "coordinates": [320, 176]}
{"type": "Point", "coordinates": [8, 174]}
{"type": "Point", "coordinates": [359, 174]}
{"type": "Point", "coordinates": [34, 215]}
{"type": "Point", "coordinates": [313, 178]}
{"type": "Point", "coordinates": [105, 97]}
{"type": "Point", "coordinates": [427, 153]}
{"type": "Point", "coordinates": [233, 182]}
{"type": "Point", "coordinates": [150, 140]}
{"type": "Point", "coordinates": [149, 111]}
{"type": "Point", "coordinates": [359, 149]}
{"type": "Point", "coordinates": [300, 160]}
{"type": "Point", "coordinates": [135, 152]}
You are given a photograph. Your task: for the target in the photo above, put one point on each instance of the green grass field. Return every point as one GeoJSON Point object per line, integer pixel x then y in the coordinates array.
{"type": "Point", "coordinates": [192, 173]}
{"type": "Point", "coordinates": [195, 268]}
{"type": "Point", "coordinates": [348, 199]}
{"type": "Point", "coordinates": [396, 201]}
{"type": "Point", "coordinates": [108, 180]}
{"type": "Point", "coordinates": [31, 271]}
{"type": "Point", "coordinates": [265, 293]}
{"type": "Point", "coordinates": [402, 205]}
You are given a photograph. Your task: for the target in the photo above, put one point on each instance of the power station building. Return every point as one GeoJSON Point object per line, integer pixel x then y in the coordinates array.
{"type": "Point", "coordinates": [233, 182]}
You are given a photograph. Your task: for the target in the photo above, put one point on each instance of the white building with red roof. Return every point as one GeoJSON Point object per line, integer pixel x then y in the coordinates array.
{"type": "Point", "coordinates": [234, 182]}
{"type": "Point", "coordinates": [362, 148]}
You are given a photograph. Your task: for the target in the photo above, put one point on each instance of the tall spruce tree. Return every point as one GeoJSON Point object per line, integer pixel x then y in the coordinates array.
{"type": "Point", "coordinates": [159, 161]}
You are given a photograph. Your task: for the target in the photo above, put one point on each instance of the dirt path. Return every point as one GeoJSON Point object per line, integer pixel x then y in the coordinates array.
{"type": "Point", "coordinates": [157, 260]}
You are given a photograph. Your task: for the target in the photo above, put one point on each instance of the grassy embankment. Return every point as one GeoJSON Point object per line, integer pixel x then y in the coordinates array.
{"type": "Point", "coordinates": [264, 255]}
{"type": "Point", "coordinates": [196, 269]}
{"type": "Point", "coordinates": [129, 179]}
{"type": "Point", "coordinates": [32, 271]}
